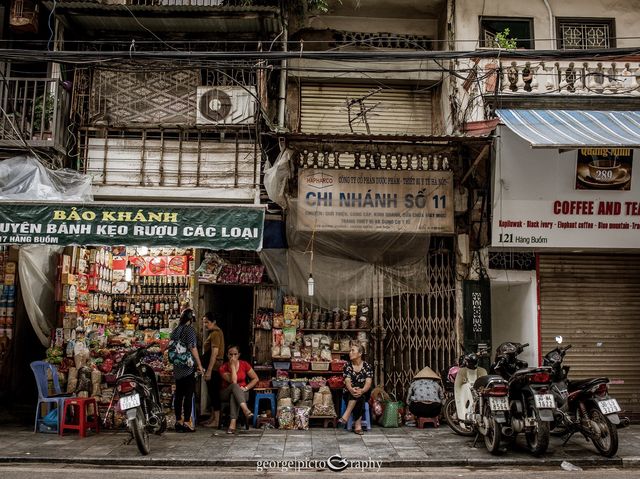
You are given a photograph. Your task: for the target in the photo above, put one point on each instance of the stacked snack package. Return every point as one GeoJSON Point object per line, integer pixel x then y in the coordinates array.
{"type": "Point", "coordinates": [323, 403]}
{"type": "Point", "coordinates": [302, 418]}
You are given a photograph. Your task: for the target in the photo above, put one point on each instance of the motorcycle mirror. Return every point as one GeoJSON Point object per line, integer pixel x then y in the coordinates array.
{"type": "Point", "coordinates": [559, 339]}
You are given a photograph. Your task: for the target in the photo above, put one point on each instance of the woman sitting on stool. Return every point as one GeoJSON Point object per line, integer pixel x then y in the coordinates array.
{"type": "Point", "coordinates": [425, 394]}
{"type": "Point", "coordinates": [358, 378]}
{"type": "Point", "coordinates": [235, 388]}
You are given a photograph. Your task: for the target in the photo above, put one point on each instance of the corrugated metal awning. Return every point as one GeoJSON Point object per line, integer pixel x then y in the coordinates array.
{"type": "Point", "coordinates": [574, 128]}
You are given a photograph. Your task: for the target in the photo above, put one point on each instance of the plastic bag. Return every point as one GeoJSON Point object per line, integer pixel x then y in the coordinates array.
{"type": "Point", "coordinates": [286, 417]}
{"type": "Point", "coordinates": [284, 392]}
{"type": "Point", "coordinates": [302, 418]}
{"type": "Point", "coordinates": [390, 414]}
{"type": "Point", "coordinates": [51, 419]}
{"type": "Point", "coordinates": [26, 178]}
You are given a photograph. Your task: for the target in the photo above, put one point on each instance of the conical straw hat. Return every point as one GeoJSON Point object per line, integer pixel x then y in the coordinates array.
{"type": "Point", "coordinates": [427, 373]}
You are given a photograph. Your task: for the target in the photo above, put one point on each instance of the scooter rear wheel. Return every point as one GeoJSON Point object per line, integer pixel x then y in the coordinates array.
{"type": "Point", "coordinates": [493, 436]}
{"type": "Point", "coordinates": [606, 442]}
{"type": "Point", "coordinates": [538, 439]}
{"type": "Point", "coordinates": [140, 434]}
{"type": "Point", "coordinates": [451, 416]}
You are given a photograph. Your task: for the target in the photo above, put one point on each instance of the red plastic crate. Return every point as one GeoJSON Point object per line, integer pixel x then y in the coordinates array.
{"type": "Point", "coordinates": [299, 365]}
{"type": "Point", "coordinates": [337, 366]}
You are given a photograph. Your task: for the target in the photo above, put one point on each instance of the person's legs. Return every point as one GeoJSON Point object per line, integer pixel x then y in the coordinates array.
{"type": "Point", "coordinates": [213, 389]}
{"type": "Point", "coordinates": [178, 400]}
{"type": "Point", "coordinates": [216, 384]}
{"type": "Point", "coordinates": [241, 397]}
{"type": "Point", "coordinates": [189, 389]}
{"type": "Point", "coordinates": [227, 395]}
{"type": "Point", "coordinates": [358, 408]}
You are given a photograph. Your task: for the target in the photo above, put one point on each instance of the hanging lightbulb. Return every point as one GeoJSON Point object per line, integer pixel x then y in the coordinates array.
{"type": "Point", "coordinates": [311, 285]}
{"type": "Point", "coordinates": [128, 274]}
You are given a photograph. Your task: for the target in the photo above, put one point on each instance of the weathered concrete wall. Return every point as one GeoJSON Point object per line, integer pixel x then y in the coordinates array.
{"type": "Point", "coordinates": [625, 12]}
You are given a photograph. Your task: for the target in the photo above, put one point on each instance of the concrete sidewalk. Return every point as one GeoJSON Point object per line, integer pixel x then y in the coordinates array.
{"type": "Point", "coordinates": [401, 447]}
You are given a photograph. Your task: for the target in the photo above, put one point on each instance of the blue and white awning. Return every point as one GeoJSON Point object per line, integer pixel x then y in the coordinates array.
{"type": "Point", "coordinates": [574, 128]}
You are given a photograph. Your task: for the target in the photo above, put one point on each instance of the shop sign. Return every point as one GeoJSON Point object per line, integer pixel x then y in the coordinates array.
{"type": "Point", "coordinates": [382, 201]}
{"type": "Point", "coordinates": [585, 198]}
{"type": "Point", "coordinates": [604, 169]}
{"type": "Point", "coordinates": [219, 227]}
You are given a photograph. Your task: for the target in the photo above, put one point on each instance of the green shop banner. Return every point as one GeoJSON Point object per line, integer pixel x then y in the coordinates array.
{"type": "Point", "coordinates": [214, 227]}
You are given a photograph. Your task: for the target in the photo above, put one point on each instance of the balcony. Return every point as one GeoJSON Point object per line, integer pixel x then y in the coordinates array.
{"type": "Point", "coordinates": [33, 113]}
{"type": "Point", "coordinates": [566, 78]}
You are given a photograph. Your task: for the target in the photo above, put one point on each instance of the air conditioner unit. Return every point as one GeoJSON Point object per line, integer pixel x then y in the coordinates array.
{"type": "Point", "coordinates": [226, 105]}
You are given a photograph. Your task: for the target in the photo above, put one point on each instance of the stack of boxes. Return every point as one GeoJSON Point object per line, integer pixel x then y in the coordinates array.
{"type": "Point", "coordinates": [7, 303]}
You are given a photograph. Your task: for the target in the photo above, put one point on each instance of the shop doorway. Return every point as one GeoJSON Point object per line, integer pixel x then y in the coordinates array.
{"type": "Point", "coordinates": [514, 311]}
{"type": "Point", "coordinates": [234, 306]}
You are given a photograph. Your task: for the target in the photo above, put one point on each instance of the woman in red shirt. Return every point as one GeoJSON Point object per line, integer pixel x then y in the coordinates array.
{"type": "Point", "coordinates": [235, 387]}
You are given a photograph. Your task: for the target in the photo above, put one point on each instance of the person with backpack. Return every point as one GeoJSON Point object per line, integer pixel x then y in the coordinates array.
{"type": "Point", "coordinates": [183, 354]}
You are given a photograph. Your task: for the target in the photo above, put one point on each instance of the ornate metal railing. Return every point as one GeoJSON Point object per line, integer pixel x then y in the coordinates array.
{"type": "Point", "coordinates": [561, 77]}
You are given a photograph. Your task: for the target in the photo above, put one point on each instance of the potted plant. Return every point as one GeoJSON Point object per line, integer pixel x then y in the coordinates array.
{"type": "Point", "coordinates": [44, 107]}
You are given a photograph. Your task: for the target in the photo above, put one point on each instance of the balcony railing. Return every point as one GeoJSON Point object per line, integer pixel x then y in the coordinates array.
{"type": "Point", "coordinates": [32, 112]}
{"type": "Point", "coordinates": [564, 77]}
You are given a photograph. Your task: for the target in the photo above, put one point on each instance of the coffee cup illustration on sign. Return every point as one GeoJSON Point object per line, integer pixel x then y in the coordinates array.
{"type": "Point", "coordinates": [604, 168]}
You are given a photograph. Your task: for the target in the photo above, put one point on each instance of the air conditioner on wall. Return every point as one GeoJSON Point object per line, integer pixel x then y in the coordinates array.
{"type": "Point", "coordinates": [225, 105]}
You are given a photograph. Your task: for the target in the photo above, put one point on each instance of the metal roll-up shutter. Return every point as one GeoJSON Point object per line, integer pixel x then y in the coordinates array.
{"type": "Point", "coordinates": [324, 109]}
{"type": "Point", "coordinates": [594, 303]}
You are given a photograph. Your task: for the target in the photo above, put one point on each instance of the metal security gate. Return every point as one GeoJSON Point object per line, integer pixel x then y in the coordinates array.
{"type": "Point", "coordinates": [375, 110]}
{"type": "Point", "coordinates": [419, 330]}
{"type": "Point", "coordinates": [593, 302]}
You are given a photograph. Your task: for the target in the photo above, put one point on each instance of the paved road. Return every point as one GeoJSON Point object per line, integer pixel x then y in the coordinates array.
{"type": "Point", "coordinates": [18, 471]}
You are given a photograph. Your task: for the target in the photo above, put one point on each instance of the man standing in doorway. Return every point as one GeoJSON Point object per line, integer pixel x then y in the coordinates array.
{"type": "Point", "coordinates": [213, 356]}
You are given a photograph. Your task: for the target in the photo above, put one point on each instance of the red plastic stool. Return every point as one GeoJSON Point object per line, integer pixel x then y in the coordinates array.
{"type": "Point", "coordinates": [80, 413]}
{"type": "Point", "coordinates": [424, 420]}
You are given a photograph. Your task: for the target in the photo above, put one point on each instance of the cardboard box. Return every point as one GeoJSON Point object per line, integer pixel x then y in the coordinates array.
{"type": "Point", "coordinates": [68, 278]}
{"type": "Point", "coordinates": [66, 264]}
{"type": "Point", "coordinates": [83, 266]}
{"type": "Point", "coordinates": [83, 283]}
{"type": "Point", "coordinates": [69, 293]}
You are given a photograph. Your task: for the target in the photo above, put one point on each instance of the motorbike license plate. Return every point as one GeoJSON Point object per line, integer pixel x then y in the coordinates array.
{"type": "Point", "coordinates": [609, 406]}
{"type": "Point", "coordinates": [545, 401]}
{"type": "Point", "coordinates": [129, 402]}
{"type": "Point", "coordinates": [499, 404]}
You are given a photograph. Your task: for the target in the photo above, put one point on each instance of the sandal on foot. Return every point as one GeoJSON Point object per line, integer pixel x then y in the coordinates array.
{"type": "Point", "coordinates": [340, 423]}
{"type": "Point", "coordinates": [359, 432]}
{"type": "Point", "coordinates": [231, 431]}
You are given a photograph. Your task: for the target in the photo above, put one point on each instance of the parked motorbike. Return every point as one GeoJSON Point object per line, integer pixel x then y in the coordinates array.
{"type": "Point", "coordinates": [583, 406]}
{"type": "Point", "coordinates": [139, 398]}
{"type": "Point", "coordinates": [449, 409]}
{"type": "Point", "coordinates": [480, 399]}
{"type": "Point", "coordinates": [531, 403]}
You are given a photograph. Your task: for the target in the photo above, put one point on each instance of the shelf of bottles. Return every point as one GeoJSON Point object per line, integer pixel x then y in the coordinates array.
{"type": "Point", "coordinates": [152, 302]}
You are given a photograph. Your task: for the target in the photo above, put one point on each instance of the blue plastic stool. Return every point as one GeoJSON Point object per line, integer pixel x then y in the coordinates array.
{"type": "Point", "coordinates": [263, 396]}
{"type": "Point", "coordinates": [365, 421]}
